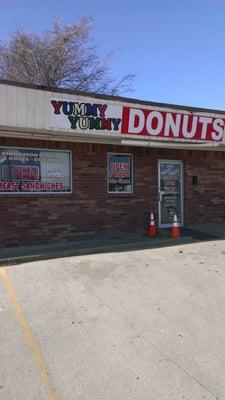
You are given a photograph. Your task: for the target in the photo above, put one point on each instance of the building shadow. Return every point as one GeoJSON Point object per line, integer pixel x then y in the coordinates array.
{"type": "Point", "coordinates": [109, 244]}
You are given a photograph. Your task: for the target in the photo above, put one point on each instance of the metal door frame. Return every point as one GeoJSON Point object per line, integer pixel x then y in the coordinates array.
{"type": "Point", "coordinates": [181, 222]}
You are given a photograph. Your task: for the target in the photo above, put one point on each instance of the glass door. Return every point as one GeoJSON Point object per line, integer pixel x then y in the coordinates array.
{"type": "Point", "coordinates": [170, 177]}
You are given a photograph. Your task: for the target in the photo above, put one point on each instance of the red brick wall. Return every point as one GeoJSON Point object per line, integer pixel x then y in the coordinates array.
{"type": "Point", "coordinates": [91, 210]}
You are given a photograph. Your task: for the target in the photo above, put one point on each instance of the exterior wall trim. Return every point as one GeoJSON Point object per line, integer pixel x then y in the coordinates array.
{"type": "Point", "coordinates": [109, 97]}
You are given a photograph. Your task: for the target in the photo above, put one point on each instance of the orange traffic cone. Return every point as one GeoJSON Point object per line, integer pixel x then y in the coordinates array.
{"type": "Point", "coordinates": [152, 228]}
{"type": "Point", "coordinates": [175, 230]}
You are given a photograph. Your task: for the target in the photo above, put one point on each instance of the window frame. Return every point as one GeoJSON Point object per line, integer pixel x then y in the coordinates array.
{"type": "Point", "coordinates": [132, 172]}
{"type": "Point", "coordinates": [42, 193]}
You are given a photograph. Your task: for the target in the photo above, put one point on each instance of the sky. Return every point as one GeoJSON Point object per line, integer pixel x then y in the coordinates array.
{"type": "Point", "coordinates": [175, 48]}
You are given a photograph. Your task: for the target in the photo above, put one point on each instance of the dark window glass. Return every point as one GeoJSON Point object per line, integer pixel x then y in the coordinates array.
{"type": "Point", "coordinates": [120, 170]}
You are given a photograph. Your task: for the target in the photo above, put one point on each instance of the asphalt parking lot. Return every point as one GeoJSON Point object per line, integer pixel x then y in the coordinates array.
{"type": "Point", "coordinates": [132, 325]}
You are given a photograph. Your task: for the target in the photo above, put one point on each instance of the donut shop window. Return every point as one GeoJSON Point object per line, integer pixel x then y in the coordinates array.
{"type": "Point", "coordinates": [120, 173]}
{"type": "Point", "coordinates": [26, 170]}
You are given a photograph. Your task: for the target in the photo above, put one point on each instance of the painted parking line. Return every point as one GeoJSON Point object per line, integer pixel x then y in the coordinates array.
{"type": "Point", "coordinates": [29, 338]}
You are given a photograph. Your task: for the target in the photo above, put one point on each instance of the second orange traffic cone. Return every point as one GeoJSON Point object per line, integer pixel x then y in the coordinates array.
{"type": "Point", "coordinates": [152, 228]}
{"type": "Point", "coordinates": [175, 230]}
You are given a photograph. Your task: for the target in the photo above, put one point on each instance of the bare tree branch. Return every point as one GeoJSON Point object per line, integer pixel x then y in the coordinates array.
{"type": "Point", "coordinates": [61, 57]}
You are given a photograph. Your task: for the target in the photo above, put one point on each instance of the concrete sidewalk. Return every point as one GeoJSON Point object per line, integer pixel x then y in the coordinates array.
{"type": "Point", "coordinates": [123, 242]}
{"type": "Point", "coordinates": [211, 229]}
{"type": "Point", "coordinates": [127, 242]}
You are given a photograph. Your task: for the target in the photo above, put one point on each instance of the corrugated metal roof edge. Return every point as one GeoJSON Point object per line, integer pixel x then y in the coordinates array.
{"type": "Point", "coordinates": [108, 97]}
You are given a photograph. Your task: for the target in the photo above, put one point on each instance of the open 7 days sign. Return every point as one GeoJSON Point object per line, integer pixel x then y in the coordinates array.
{"type": "Point", "coordinates": [122, 120]}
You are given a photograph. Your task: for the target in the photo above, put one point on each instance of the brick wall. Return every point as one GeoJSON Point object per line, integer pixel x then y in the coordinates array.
{"type": "Point", "coordinates": [90, 210]}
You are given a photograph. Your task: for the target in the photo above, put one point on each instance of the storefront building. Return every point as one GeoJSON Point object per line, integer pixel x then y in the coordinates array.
{"type": "Point", "coordinates": [74, 165]}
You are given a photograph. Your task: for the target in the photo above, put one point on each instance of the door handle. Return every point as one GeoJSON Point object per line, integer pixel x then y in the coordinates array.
{"type": "Point", "coordinates": [161, 192]}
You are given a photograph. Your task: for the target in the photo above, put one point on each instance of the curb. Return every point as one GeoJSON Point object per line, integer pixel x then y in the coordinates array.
{"type": "Point", "coordinates": [107, 248]}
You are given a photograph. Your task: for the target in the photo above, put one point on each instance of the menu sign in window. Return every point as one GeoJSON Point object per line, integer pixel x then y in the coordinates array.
{"type": "Point", "coordinates": [25, 170]}
{"type": "Point", "coordinates": [120, 173]}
